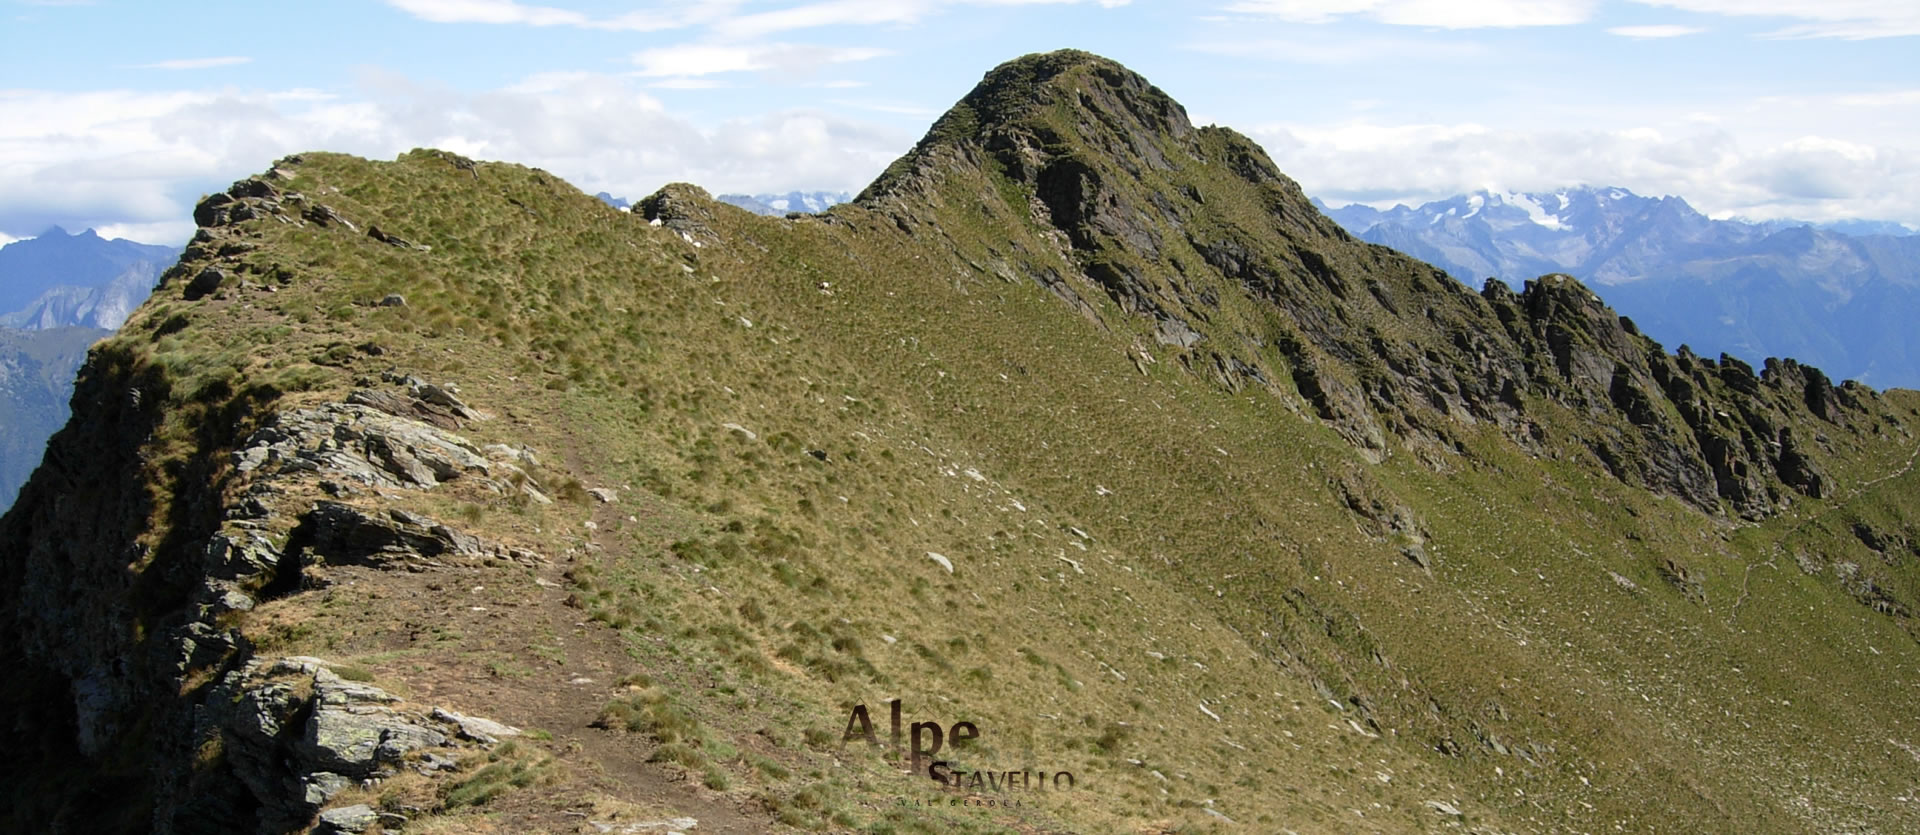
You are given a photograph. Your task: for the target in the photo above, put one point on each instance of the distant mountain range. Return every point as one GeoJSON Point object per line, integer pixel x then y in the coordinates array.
{"type": "Point", "coordinates": [65, 280]}
{"type": "Point", "coordinates": [36, 381]}
{"type": "Point", "coordinates": [59, 293]}
{"type": "Point", "coordinates": [792, 201]}
{"type": "Point", "coordinates": [1838, 296]}
{"type": "Point", "coordinates": [763, 204]}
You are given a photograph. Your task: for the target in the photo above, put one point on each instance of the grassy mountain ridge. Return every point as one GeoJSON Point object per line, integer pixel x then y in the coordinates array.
{"type": "Point", "coordinates": [1233, 515]}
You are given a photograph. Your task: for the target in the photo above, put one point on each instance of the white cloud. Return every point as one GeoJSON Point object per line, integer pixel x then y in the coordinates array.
{"type": "Point", "coordinates": [1443, 14]}
{"type": "Point", "coordinates": [547, 82]}
{"type": "Point", "coordinates": [886, 107]}
{"type": "Point", "coordinates": [1814, 168]}
{"type": "Point", "coordinates": [159, 232]}
{"type": "Point", "coordinates": [709, 59]}
{"type": "Point", "coordinates": [722, 17]}
{"type": "Point", "coordinates": [135, 162]}
{"type": "Point", "coordinates": [194, 63]}
{"type": "Point", "coordinates": [1337, 51]}
{"type": "Point", "coordinates": [1849, 19]}
{"type": "Point", "coordinates": [1892, 98]}
{"type": "Point", "coordinates": [835, 12]}
{"type": "Point", "coordinates": [675, 16]}
{"type": "Point", "coordinates": [1661, 30]}
{"type": "Point", "coordinates": [488, 11]}
{"type": "Point", "coordinates": [688, 84]}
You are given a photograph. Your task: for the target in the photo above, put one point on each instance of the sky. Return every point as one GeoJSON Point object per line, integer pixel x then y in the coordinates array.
{"type": "Point", "coordinates": [120, 114]}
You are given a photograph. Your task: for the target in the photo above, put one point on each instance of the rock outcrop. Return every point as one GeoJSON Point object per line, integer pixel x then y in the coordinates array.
{"type": "Point", "coordinates": [290, 732]}
{"type": "Point", "coordinates": [294, 733]}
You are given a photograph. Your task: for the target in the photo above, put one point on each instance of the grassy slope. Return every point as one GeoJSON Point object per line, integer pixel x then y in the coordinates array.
{"type": "Point", "coordinates": [1219, 574]}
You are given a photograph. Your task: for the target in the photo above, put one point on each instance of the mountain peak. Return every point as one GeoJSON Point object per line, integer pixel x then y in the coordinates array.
{"type": "Point", "coordinates": [1014, 89]}
{"type": "Point", "coordinates": [1050, 104]}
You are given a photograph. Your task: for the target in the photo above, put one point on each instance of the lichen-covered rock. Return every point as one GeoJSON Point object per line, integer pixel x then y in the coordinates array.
{"type": "Point", "coordinates": [347, 819]}
{"type": "Point", "coordinates": [295, 734]}
{"type": "Point", "coordinates": [475, 728]}
{"type": "Point", "coordinates": [363, 443]}
{"type": "Point", "coordinates": [340, 534]}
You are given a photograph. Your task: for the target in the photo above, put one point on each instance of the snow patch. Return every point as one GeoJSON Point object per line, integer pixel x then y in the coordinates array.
{"type": "Point", "coordinates": [1535, 212]}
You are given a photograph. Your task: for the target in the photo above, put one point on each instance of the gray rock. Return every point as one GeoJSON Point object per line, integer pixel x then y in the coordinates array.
{"type": "Point", "coordinates": [605, 495]}
{"type": "Point", "coordinates": [320, 787]}
{"type": "Point", "coordinates": [294, 745]}
{"type": "Point", "coordinates": [330, 689]}
{"type": "Point", "coordinates": [1416, 553]}
{"type": "Point", "coordinates": [356, 736]}
{"type": "Point", "coordinates": [262, 713]}
{"type": "Point", "coordinates": [405, 407]}
{"type": "Point", "coordinates": [377, 234]}
{"type": "Point", "coordinates": [1624, 583]}
{"type": "Point", "coordinates": [477, 729]}
{"type": "Point", "coordinates": [364, 444]}
{"type": "Point", "coordinates": [235, 555]}
{"type": "Point", "coordinates": [445, 396]}
{"type": "Point", "coordinates": [202, 644]}
{"type": "Point", "coordinates": [345, 535]}
{"type": "Point", "coordinates": [512, 455]}
{"type": "Point", "coordinates": [347, 819]}
{"type": "Point", "coordinates": [204, 283]}
{"type": "Point", "coordinates": [1176, 332]}
{"type": "Point", "coordinates": [325, 216]}
{"type": "Point", "coordinates": [210, 212]}
{"type": "Point", "coordinates": [393, 376]}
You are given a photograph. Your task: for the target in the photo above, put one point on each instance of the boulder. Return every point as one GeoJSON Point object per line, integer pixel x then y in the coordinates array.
{"type": "Point", "coordinates": [474, 728]}
{"type": "Point", "coordinates": [347, 819]}
{"type": "Point", "coordinates": [204, 283]}
{"type": "Point", "coordinates": [324, 215]}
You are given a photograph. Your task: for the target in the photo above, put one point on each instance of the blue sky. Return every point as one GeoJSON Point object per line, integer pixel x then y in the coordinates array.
{"type": "Point", "coordinates": [118, 114]}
